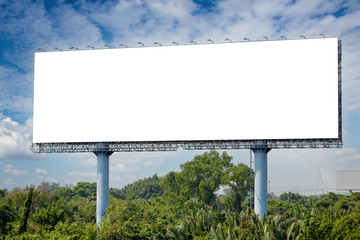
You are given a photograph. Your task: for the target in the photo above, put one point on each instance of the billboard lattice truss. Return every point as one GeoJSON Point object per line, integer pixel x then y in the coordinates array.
{"type": "Point", "coordinates": [173, 146]}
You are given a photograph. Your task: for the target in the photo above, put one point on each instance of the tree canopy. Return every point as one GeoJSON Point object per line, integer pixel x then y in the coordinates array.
{"type": "Point", "coordinates": [238, 179]}
{"type": "Point", "coordinates": [146, 188]}
{"type": "Point", "coordinates": [200, 177]}
{"type": "Point", "coordinates": [140, 212]}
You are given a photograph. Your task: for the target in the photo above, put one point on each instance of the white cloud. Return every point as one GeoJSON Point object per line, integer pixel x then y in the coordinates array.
{"type": "Point", "coordinates": [14, 171]}
{"type": "Point", "coordinates": [117, 179]}
{"type": "Point", "coordinates": [50, 179]}
{"type": "Point", "coordinates": [15, 140]}
{"type": "Point", "coordinates": [138, 157]}
{"type": "Point", "coordinates": [83, 174]}
{"type": "Point", "coordinates": [121, 180]}
{"type": "Point", "coordinates": [90, 162]}
{"type": "Point", "coordinates": [10, 169]}
{"type": "Point", "coordinates": [348, 155]}
{"type": "Point", "coordinates": [16, 91]}
{"type": "Point", "coordinates": [154, 163]}
{"type": "Point", "coordinates": [41, 171]}
{"type": "Point", "coordinates": [353, 158]}
{"type": "Point", "coordinates": [132, 162]}
{"type": "Point", "coordinates": [32, 27]}
{"type": "Point", "coordinates": [345, 151]}
{"type": "Point", "coordinates": [118, 168]}
{"type": "Point", "coordinates": [74, 177]}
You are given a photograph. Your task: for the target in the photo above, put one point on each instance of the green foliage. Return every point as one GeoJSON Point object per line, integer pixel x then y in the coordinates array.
{"type": "Point", "coordinates": [173, 216]}
{"type": "Point", "coordinates": [355, 196]}
{"type": "Point", "coordinates": [7, 215]}
{"type": "Point", "coordinates": [171, 182]}
{"type": "Point", "coordinates": [65, 192]}
{"type": "Point", "coordinates": [74, 230]}
{"type": "Point", "coordinates": [48, 187]}
{"type": "Point", "coordinates": [48, 217]}
{"type": "Point", "coordinates": [139, 219]}
{"type": "Point", "coordinates": [85, 189]}
{"type": "Point", "coordinates": [347, 227]}
{"type": "Point", "coordinates": [140, 212]}
{"type": "Point", "coordinates": [202, 176]}
{"type": "Point", "coordinates": [293, 198]}
{"type": "Point", "coordinates": [146, 188]}
{"type": "Point", "coordinates": [3, 192]}
{"type": "Point", "coordinates": [26, 213]}
{"type": "Point", "coordinates": [238, 179]}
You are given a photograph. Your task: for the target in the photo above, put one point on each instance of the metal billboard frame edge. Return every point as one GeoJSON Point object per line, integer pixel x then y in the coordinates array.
{"type": "Point", "coordinates": [187, 145]}
{"type": "Point", "coordinates": [74, 147]}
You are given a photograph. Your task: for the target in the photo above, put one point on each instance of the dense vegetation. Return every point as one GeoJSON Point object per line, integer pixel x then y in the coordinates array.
{"type": "Point", "coordinates": [146, 188]}
{"type": "Point", "coordinates": [180, 205]}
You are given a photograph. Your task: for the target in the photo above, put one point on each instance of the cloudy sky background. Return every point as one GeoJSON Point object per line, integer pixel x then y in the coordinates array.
{"type": "Point", "coordinates": [26, 26]}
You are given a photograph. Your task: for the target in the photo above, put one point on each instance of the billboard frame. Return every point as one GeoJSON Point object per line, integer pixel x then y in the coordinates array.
{"type": "Point", "coordinates": [149, 146]}
{"type": "Point", "coordinates": [187, 145]}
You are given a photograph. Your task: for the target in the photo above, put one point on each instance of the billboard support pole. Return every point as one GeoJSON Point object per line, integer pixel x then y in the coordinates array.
{"type": "Point", "coordinates": [102, 187]}
{"type": "Point", "coordinates": [261, 180]}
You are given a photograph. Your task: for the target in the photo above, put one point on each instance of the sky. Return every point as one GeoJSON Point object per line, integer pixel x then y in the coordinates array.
{"type": "Point", "coordinates": [26, 26]}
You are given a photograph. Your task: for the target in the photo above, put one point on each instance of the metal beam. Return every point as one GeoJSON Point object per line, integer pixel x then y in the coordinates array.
{"type": "Point", "coordinates": [186, 145]}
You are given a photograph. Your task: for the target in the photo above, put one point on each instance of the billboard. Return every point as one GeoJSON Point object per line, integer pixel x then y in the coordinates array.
{"type": "Point", "coordinates": [227, 91]}
{"type": "Point", "coordinates": [348, 180]}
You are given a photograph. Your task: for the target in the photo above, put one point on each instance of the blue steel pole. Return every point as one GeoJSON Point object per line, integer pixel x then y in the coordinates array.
{"type": "Point", "coordinates": [261, 180]}
{"type": "Point", "coordinates": [102, 189]}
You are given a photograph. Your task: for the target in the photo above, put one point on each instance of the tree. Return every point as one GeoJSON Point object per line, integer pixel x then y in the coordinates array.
{"type": "Point", "coordinates": [170, 182]}
{"type": "Point", "coordinates": [202, 176]}
{"type": "Point", "coordinates": [44, 186]}
{"type": "Point", "coordinates": [144, 188]}
{"type": "Point", "coordinates": [347, 227]}
{"type": "Point", "coordinates": [7, 215]}
{"type": "Point", "coordinates": [65, 192]}
{"type": "Point", "coordinates": [293, 198]}
{"type": "Point", "coordinates": [25, 216]}
{"type": "Point", "coordinates": [3, 192]}
{"type": "Point", "coordinates": [238, 179]}
{"type": "Point", "coordinates": [49, 217]}
{"type": "Point", "coordinates": [48, 187]}
{"type": "Point", "coordinates": [85, 189]}
{"type": "Point", "coordinates": [54, 186]}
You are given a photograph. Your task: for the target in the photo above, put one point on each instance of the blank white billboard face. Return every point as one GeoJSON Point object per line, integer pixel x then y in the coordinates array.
{"type": "Point", "coordinates": [348, 180]}
{"type": "Point", "coordinates": [230, 91]}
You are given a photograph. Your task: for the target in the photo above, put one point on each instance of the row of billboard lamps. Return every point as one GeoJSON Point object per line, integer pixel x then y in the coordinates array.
{"type": "Point", "coordinates": [173, 43]}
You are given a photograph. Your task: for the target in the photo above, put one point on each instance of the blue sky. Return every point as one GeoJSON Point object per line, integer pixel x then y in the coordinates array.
{"type": "Point", "coordinates": [26, 26]}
